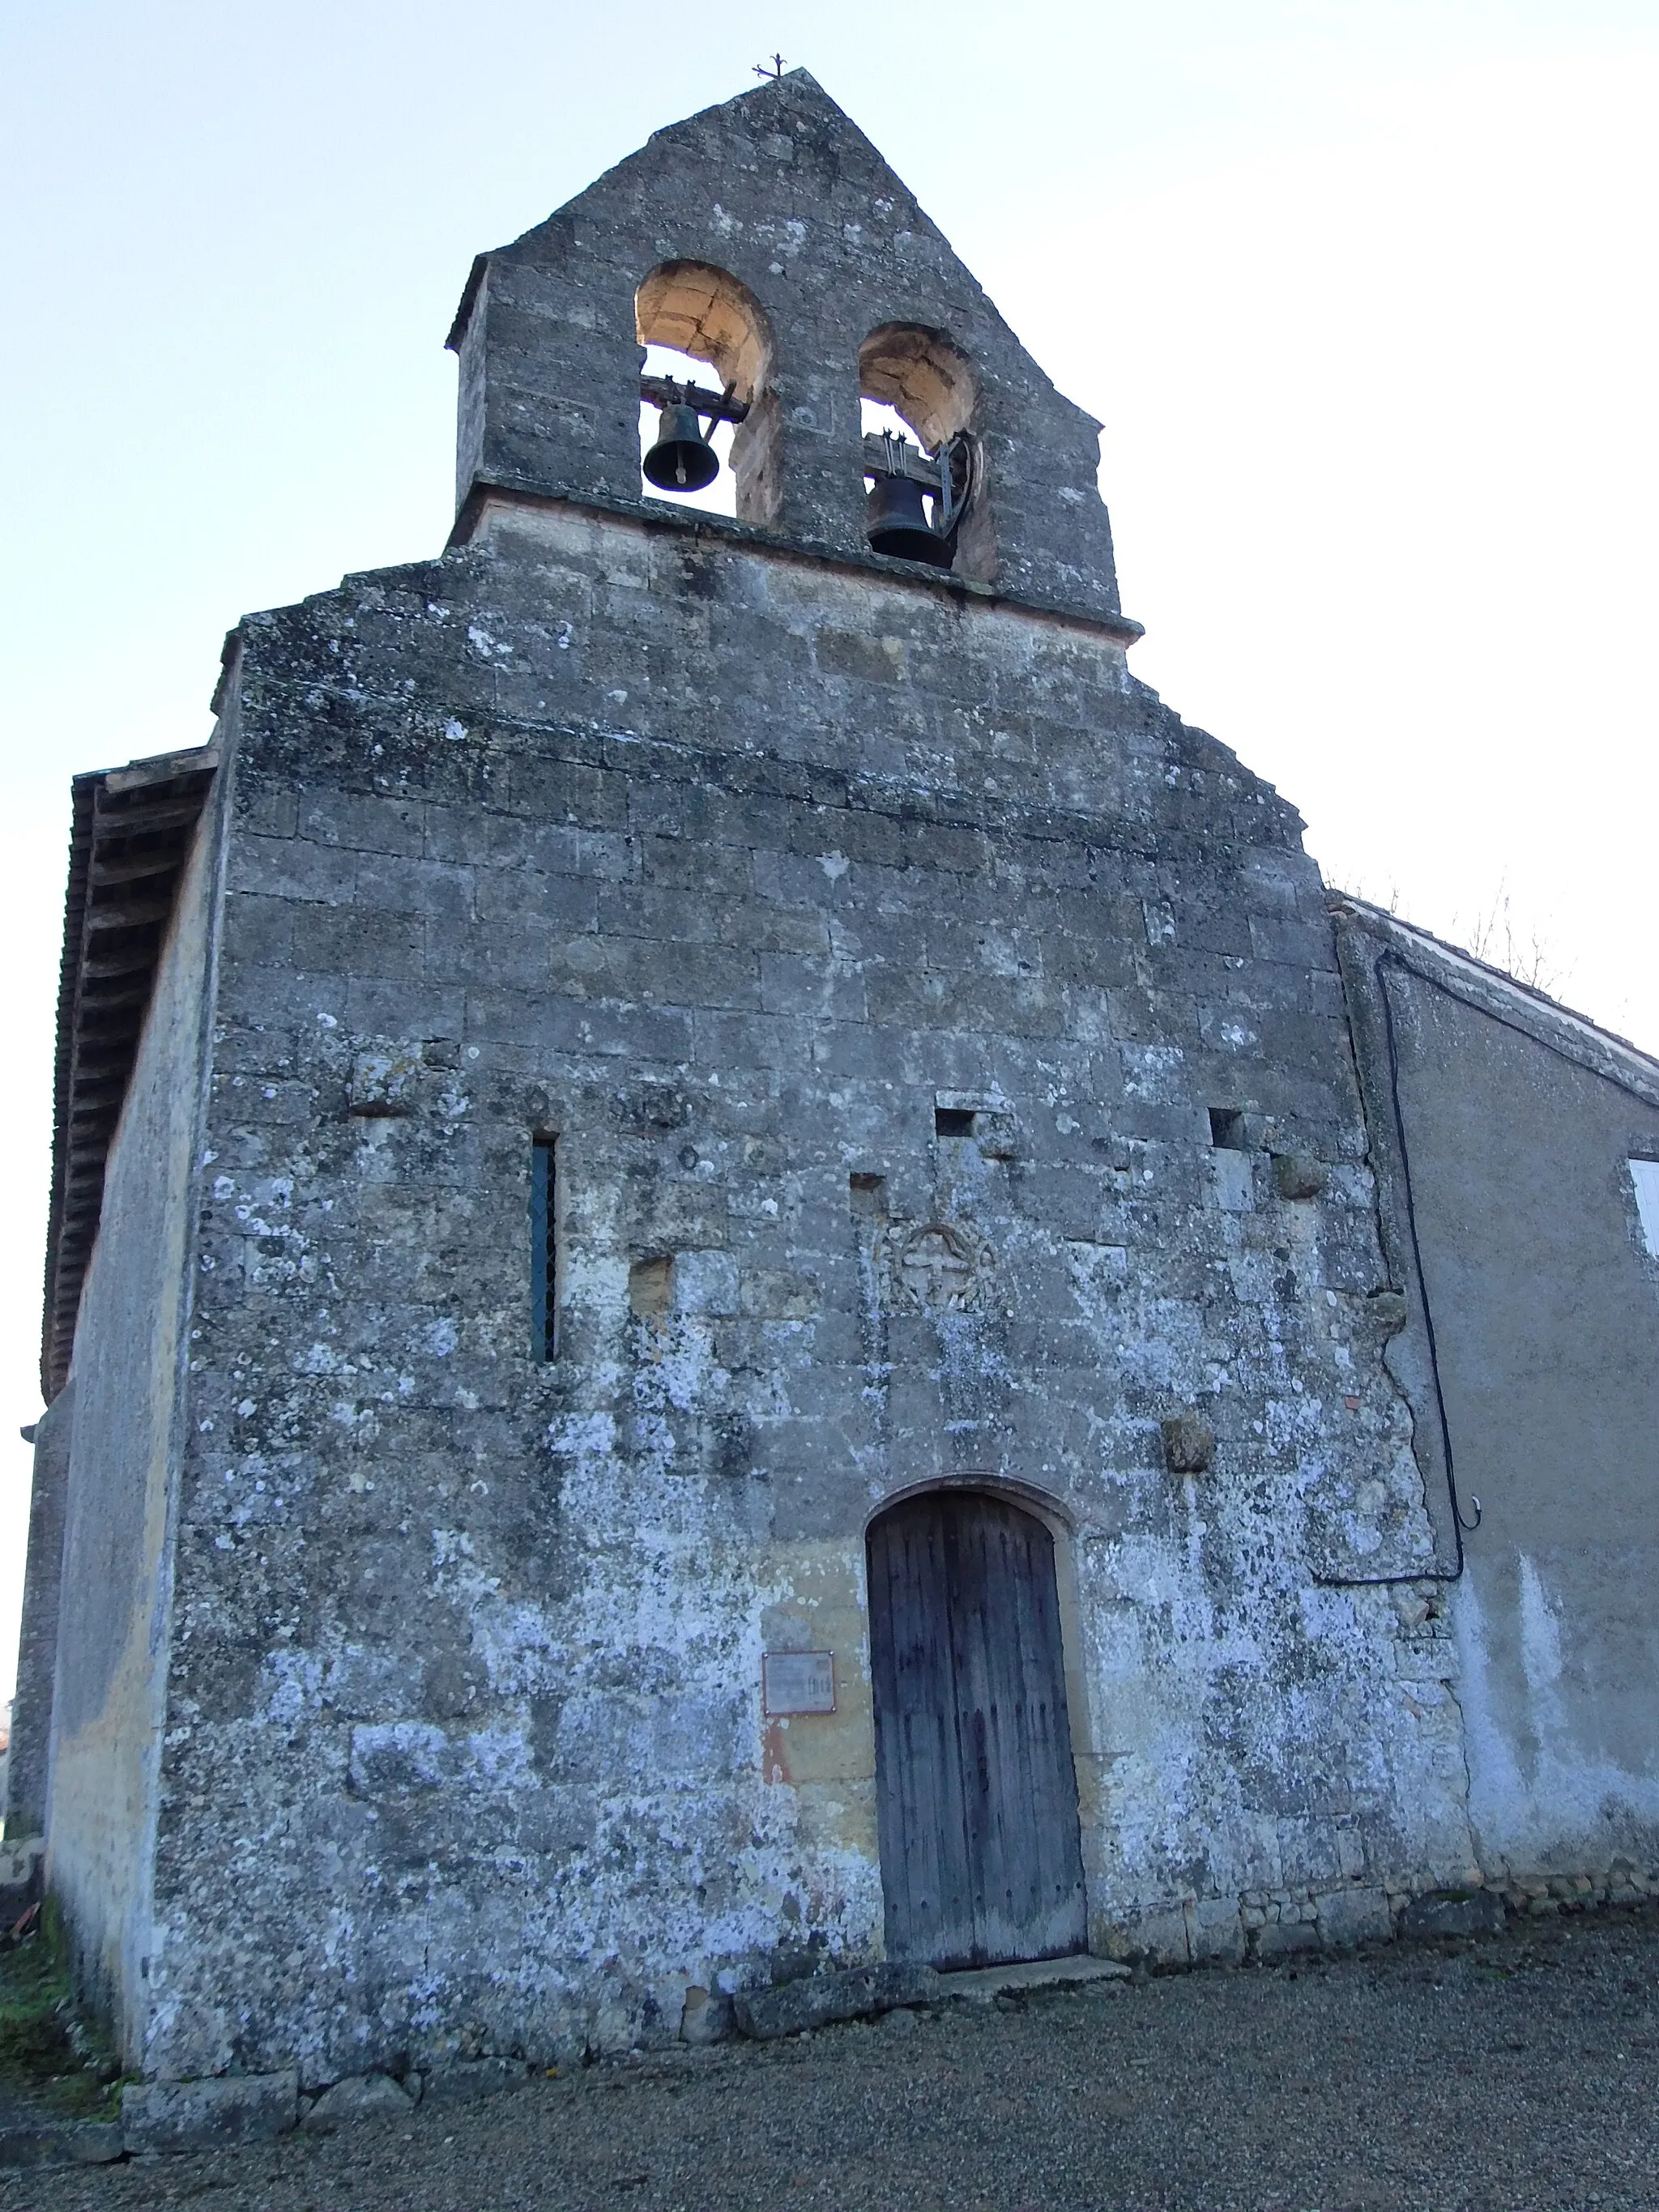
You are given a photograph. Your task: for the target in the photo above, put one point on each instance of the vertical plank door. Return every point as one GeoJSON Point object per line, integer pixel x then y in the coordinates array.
{"type": "Point", "coordinates": [976, 1791]}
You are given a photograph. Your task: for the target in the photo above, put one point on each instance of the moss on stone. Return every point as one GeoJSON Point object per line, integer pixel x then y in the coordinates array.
{"type": "Point", "coordinates": [48, 2059]}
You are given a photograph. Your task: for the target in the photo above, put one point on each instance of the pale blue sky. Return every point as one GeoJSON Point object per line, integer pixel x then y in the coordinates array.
{"type": "Point", "coordinates": [1363, 293]}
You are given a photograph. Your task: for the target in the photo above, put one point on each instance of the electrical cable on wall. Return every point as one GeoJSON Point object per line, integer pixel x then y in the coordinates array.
{"type": "Point", "coordinates": [1460, 1527]}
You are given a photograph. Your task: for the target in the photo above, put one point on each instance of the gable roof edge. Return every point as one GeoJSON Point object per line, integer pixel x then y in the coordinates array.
{"type": "Point", "coordinates": [1494, 991]}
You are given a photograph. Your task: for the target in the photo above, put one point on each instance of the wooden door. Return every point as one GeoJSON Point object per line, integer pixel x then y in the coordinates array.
{"type": "Point", "coordinates": [976, 1791]}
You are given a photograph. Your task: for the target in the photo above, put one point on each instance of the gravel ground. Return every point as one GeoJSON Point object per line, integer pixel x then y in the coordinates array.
{"type": "Point", "coordinates": [1517, 2073]}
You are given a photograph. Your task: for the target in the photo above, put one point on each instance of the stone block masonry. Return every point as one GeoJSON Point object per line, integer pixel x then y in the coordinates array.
{"type": "Point", "coordinates": [467, 1645]}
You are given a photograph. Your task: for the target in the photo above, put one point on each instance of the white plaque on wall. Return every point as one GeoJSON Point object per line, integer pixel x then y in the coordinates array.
{"type": "Point", "coordinates": [798, 1681]}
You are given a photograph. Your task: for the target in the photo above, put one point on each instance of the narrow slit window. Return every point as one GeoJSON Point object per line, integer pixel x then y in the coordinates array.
{"type": "Point", "coordinates": [544, 1249]}
{"type": "Point", "coordinates": [1227, 1129]}
{"type": "Point", "coordinates": [952, 1122]}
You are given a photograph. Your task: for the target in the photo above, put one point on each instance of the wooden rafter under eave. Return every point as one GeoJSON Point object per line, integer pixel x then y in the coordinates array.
{"type": "Point", "coordinates": [133, 831]}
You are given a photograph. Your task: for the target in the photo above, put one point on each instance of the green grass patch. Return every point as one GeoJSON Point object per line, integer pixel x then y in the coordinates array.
{"type": "Point", "coordinates": [46, 2059]}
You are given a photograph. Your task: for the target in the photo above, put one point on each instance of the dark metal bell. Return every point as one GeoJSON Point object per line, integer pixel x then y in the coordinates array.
{"type": "Point", "coordinates": [682, 459]}
{"type": "Point", "coordinates": [897, 523]}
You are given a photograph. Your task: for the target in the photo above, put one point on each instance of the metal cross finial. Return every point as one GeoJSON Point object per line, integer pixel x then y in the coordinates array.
{"type": "Point", "coordinates": [776, 70]}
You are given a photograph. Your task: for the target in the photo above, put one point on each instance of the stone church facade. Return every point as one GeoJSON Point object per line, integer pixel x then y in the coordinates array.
{"type": "Point", "coordinates": [724, 1208]}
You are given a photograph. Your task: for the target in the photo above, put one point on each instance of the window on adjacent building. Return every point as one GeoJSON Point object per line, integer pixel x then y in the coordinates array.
{"type": "Point", "coordinates": [1644, 1176]}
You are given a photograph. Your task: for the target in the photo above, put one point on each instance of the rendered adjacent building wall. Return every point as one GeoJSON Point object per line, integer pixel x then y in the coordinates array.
{"type": "Point", "coordinates": [1519, 1122]}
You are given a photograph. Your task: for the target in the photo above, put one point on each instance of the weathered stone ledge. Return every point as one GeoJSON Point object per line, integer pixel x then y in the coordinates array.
{"type": "Point", "coordinates": [1122, 630]}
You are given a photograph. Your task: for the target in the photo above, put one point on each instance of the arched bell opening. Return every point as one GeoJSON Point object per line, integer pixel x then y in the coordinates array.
{"type": "Point", "coordinates": [915, 384]}
{"type": "Point", "coordinates": [705, 440]}
{"type": "Point", "coordinates": [976, 1788]}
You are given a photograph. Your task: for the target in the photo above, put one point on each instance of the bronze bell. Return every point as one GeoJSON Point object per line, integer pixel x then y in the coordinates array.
{"type": "Point", "coordinates": [682, 459]}
{"type": "Point", "coordinates": [897, 523]}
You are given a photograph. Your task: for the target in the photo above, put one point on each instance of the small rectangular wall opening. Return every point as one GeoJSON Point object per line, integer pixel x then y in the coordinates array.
{"type": "Point", "coordinates": [1227, 1129]}
{"type": "Point", "coordinates": [544, 1249]}
{"type": "Point", "coordinates": [952, 1122]}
